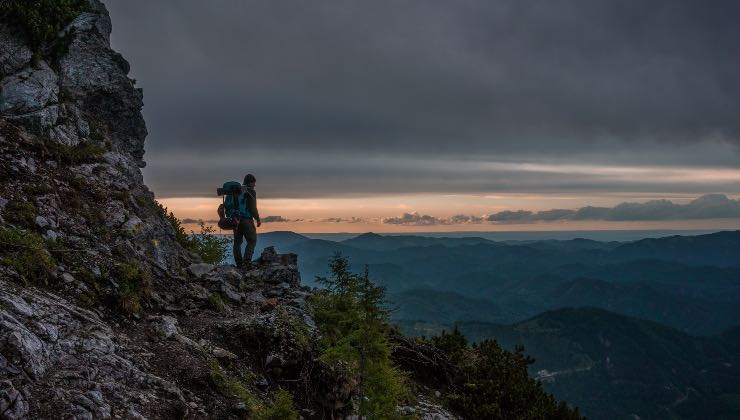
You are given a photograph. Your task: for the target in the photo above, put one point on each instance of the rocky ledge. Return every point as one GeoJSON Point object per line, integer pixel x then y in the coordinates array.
{"type": "Point", "coordinates": [58, 359]}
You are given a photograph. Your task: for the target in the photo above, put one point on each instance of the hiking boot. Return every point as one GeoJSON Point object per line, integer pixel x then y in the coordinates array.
{"type": "Point", "coordinates": [244, 266]}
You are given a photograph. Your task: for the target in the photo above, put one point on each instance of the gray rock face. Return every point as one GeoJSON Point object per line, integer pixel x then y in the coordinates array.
{"type": "Point", "coordinates": [71, 357]}
{"type": "Point", "coordinates": [96, 77]}
{"type": "Point", "coordinates": [28, 91]}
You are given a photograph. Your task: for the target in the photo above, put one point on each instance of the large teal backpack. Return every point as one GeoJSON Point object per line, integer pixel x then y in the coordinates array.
{"type": "Point", "coordinates": [229, 211]}
{"type": "Point", "coordinates": [232, 193]}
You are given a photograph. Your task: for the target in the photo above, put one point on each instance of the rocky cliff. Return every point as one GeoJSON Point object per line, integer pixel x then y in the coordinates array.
{"type": "Point", "coordinates": [102, 313]}
{"type": "Point", "coordinates": [72, 145]}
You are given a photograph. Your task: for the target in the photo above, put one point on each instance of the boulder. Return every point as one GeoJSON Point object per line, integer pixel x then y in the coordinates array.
{"type": "Point", "coordinates": [270, 257]}
{"type": "Point", "coordinates": [41, 222]}
{"type": "Point", "coordinates": [133, 224]}
{"type": "Point", "coordinates": [199, 270]}
{"type": "Point", "coordinates": [165, 325]}
{"type": "Point", "coordinates": [28, 91]}
{"type": "Point", "coordinates": [220, 353]}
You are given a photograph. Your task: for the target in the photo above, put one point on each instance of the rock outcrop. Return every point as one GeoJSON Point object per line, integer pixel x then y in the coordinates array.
{"type": "Point", "coordinates": [72, 144]}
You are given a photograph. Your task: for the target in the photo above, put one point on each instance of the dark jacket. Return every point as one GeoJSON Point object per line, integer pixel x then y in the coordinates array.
{"type": "Point", "coordinates": [249, 197]}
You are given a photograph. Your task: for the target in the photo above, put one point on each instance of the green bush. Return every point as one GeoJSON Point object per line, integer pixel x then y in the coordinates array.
{"type": "Point", "coordinates": [281, 408]}
{"type": "Point", "coordinates": [42, 20]}
{"type": "Point", "coordinates": [353, 323]}
{"type": "Point", "coordinates": [84, 152]}
{"type": "Point", "coordinates": [25, 252]}
{"type": "Point", "coordinates": [216, 302]}
{"type": "Point", "coordinates": [21, 213]}
{"type": "Point", "coordinates": [181, 237]}
{"type": "Point", "coordinates": [231, 386]}
{"type": "Point", "coordinates": [134, 284]}
{"type": "Point", "coordinates": [210, 248]}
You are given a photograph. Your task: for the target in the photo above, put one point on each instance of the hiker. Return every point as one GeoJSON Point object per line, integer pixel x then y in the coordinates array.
{"type": "Point", "coordinates": [246, 228]}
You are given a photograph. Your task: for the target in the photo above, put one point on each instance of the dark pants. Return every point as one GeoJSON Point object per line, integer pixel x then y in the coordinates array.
{"type": "Point", "coordinates": [246, 230]}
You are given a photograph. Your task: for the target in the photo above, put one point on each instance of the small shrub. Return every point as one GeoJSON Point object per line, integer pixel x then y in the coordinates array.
{"type": "Point", "coordinates": [26, 253]}
{"type": "Point", "coordinates": [94, 217]}
{"type": "Point", "coordinates": [181, 237]}
{"type": "Point", "coordinates": [144, 202]}
{"type": "Point", "coordinates": [42, 20]}
{"type": "Point", "coordinates": [88, 277]}
{"type": "Point", "coordinates": [230, 386]}
{"type": "Point", "coordinates": [122, 196]}
{"type": "Point", "coordinates": [281, 408]}
{"type": "Point", "coordinates": [84, 152]}
{"type": "Point", "coordinates": [38, 189]}
{"type": "Point", "coordinates": [21, 213]}
{"type": "Point", "coordinates": [216, 302]}
{"type": "Point", "coordinates": [210, 248]}
{"type": "Point", "coordinates": [96, 132]}
{"type": "Point", "coordinates": [295, 331]}
{"type": "Point", "coordinates": [134, 284]}
{"type": "Point", "coordinates": [78, 182]}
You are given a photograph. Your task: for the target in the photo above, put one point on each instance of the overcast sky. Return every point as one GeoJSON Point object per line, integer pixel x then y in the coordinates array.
{"type": "Point", "coordinates": [338, 98]}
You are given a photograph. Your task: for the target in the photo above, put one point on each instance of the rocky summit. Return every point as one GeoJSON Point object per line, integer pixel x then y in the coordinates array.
{"type": "Point", "coordinates": [103, 312]}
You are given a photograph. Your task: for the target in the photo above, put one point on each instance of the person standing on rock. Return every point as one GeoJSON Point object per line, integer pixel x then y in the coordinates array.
{"type": "Point", "coordinates": [246, 228]}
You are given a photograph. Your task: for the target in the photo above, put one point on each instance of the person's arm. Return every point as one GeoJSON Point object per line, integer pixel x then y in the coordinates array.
{"type": "Point", "coordinates": [253, 207]}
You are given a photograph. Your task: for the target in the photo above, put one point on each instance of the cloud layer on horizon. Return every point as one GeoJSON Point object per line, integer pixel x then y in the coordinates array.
{"type": "Point", "coordinates": [710, 206]}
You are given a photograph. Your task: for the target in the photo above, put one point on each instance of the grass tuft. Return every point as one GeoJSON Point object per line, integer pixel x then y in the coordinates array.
{"type": "Point", "coordinates": [25, 252]}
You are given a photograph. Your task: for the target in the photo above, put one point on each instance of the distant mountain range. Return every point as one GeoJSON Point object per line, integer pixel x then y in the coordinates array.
{"type": "Point", "coordinates": [690, 283]}
{"type": "Point", "coordinates": [655, 334]}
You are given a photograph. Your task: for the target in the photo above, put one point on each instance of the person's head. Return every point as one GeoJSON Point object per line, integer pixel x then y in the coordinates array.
{"type": "Point", "coordinates": [250, 180]}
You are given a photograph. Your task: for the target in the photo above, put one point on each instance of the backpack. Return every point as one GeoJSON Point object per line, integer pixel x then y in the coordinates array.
{"type": "Point", "coordinates": [228, 210]}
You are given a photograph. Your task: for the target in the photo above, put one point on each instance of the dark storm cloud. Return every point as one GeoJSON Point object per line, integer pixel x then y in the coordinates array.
{"type": "Point", "coordinates": [305, 175]}
{"type": "Point", "coordinates": [628, 81]}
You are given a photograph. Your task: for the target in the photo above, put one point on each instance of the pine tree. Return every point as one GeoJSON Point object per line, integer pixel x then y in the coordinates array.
{"type": "Point", "coordinates": [353, 321]}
